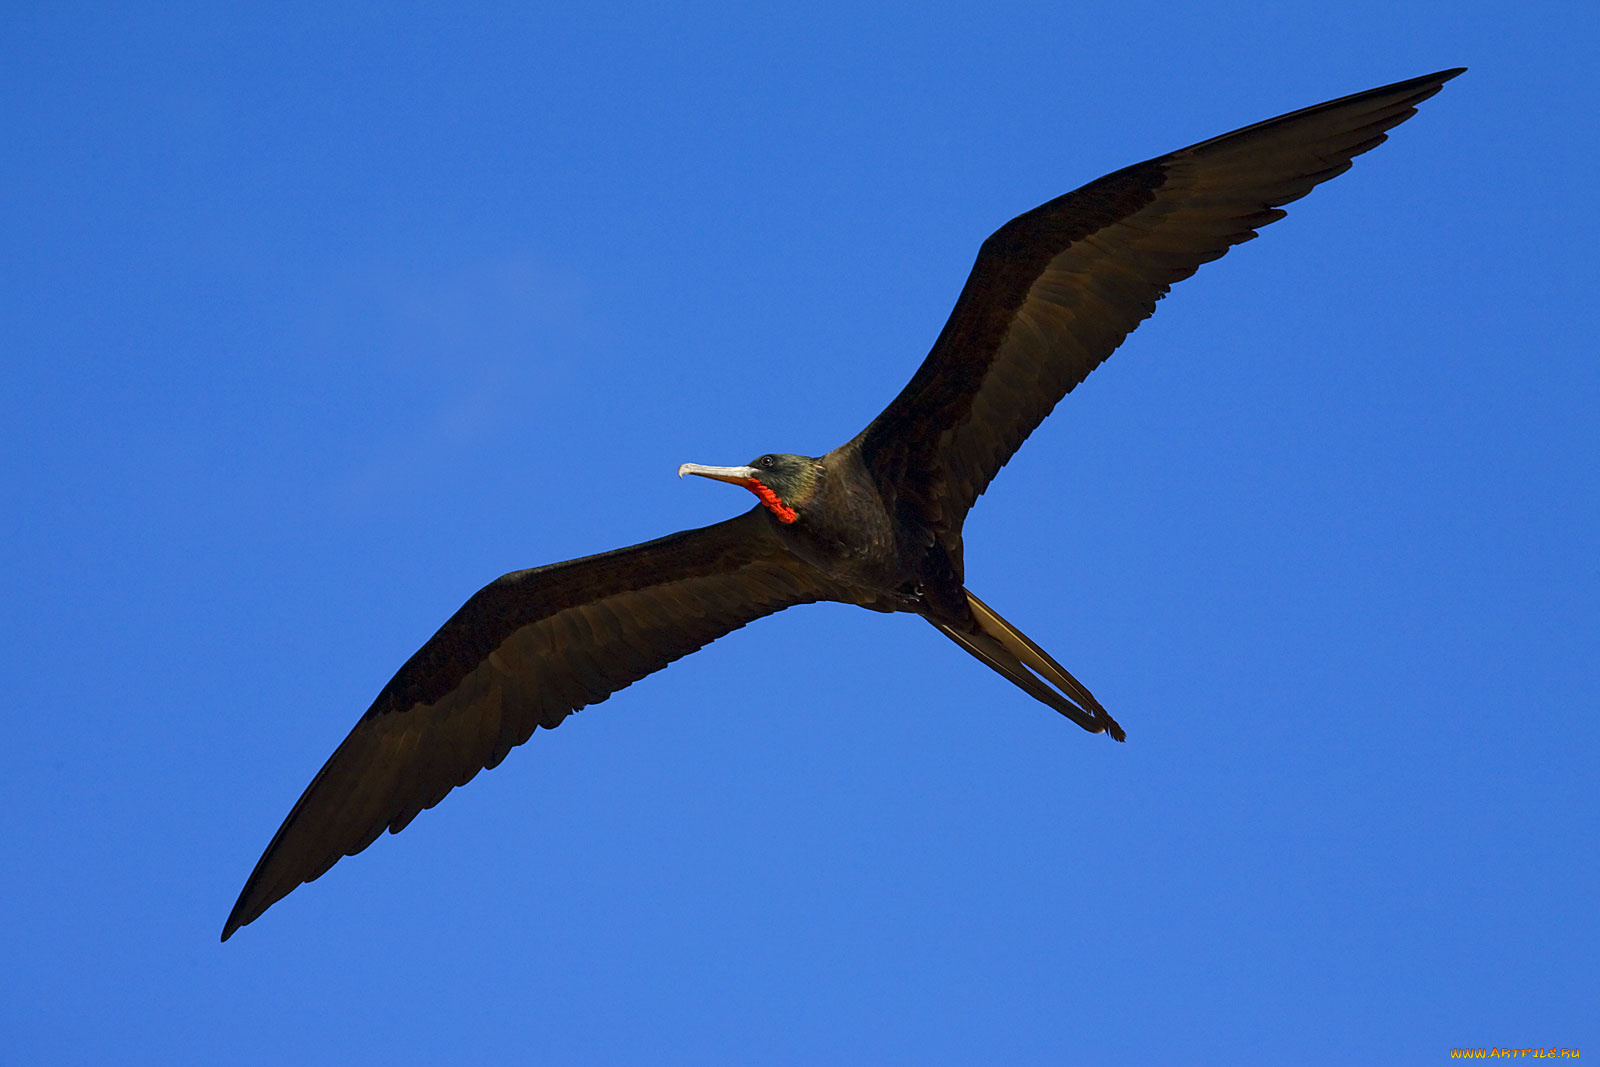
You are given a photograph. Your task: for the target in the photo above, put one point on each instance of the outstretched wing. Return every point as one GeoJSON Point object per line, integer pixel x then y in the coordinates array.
{"type": "Point", "coordinates": [1055, 291]}
{"type": "Point", "coordinates": [526, 651]}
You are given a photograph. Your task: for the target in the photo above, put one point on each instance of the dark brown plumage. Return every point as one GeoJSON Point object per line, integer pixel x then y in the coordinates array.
{"type": "Point", "coordinates": [876, 522]}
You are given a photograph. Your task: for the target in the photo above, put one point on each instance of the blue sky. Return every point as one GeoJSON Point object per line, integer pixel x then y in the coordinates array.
{"type": "Point", "coordinates": [316, 322]}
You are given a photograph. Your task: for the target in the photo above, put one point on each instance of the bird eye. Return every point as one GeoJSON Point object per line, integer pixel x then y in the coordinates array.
{"type": "Point", "coordinates": [765, 462]}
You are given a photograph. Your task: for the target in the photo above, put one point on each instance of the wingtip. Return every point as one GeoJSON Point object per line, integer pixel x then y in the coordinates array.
{"type": "Point", "coordinates": [1438, 78]}
{"type": "Point", "coordinates": [239, 918]}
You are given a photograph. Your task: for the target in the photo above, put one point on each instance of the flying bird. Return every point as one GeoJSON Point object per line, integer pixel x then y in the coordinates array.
{"type": "Point", "coordinates": [875, 522]}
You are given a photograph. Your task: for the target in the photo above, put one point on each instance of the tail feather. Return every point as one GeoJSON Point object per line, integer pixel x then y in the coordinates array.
{"type": "Point", "coordinates": [1012, 654]}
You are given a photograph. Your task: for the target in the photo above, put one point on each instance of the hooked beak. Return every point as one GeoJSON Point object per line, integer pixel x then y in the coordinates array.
{"type": "Point", "coordinates": [733, 475]}
{"type": "Point", "coordinates": [750, 478]}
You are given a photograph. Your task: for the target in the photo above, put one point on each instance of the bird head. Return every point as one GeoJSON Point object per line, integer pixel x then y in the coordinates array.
{"type": "Point", "coordinates": [784, 483]}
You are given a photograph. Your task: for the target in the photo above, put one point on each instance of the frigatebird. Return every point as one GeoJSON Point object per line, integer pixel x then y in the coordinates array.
{"type": "Point", "coordinates": [875, 522]}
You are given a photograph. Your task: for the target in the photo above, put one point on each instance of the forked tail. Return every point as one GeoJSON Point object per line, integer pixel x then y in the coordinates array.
{"type": "Point", "coordinates": [1009, 651]}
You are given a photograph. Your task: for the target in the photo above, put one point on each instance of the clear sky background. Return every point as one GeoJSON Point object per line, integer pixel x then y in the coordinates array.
{"type": "Point", "coordinates": [313, 323]}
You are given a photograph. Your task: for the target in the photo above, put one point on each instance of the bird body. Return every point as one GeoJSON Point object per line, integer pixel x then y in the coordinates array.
{"type": "Point", "coordinates": [877, 522]}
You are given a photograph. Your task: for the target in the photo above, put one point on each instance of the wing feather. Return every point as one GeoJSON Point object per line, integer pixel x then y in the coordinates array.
{"type": "Point", "coordinates": [525, 652]}
{"type": "Point", "coordinates": [1054, 291]}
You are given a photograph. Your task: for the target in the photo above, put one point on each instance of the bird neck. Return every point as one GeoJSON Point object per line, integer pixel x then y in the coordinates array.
{"type": "Point", "coordinates": [773, 502]}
